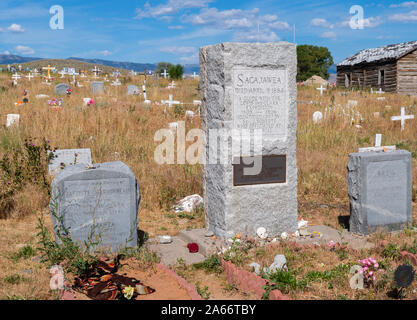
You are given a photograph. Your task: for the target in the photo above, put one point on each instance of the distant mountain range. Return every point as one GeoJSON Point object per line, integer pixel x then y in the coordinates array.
{"type": "Point", "coordinates": [138, 67]}
{"type": "Point", "coordinates": [12, 59]}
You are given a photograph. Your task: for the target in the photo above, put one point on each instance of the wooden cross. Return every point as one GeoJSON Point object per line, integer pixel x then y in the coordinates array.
{"type": "Point", "coordinates": [321, 89]}
{"type": "Point", "coordinates": [29, 76]}
{"type": "Point", "coordinates": [164, 73]}
{"type": "Point", "coordinates": [402, 117]}
{"type": "Point", "coordinates": [170, 102]}
{"type": "Point", "coordinates": [49, 70]}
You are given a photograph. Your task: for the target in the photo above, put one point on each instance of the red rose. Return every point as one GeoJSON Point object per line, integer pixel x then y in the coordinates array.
{"type": "Point", "coordinates": [193, 247]}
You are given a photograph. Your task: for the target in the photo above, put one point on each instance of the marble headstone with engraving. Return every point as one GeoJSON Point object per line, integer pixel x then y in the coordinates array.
{"type": "Point", "coordinates": [131, 90]}
{"type": "Point", "coordinates": [99, 203]}
{"type": "Point", "coordinates": [66, 157]}
{"type": "Point", "coordinates": [61, 89]}
{"type": "Point", "coordinates": [249, 89]}
{"type": "Point", "coordinates": [379, 186]}
{"type": "Point", "coordinates": [97, 87]}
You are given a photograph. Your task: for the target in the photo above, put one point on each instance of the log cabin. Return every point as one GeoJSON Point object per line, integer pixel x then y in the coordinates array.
{"type": "Point", "coordinates": [392, 68]}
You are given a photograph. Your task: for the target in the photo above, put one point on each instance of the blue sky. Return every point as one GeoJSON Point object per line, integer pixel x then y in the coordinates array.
{"type": "Point", "coordinates": [173, 30]}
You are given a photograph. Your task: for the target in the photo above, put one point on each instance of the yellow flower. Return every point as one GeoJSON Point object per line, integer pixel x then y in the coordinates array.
{"type": "Point", "coordinates": [128, 292]}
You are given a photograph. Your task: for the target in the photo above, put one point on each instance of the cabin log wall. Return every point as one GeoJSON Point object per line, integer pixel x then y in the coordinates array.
{"type": "Point", "coordinates": [407, 74]}
{"type": "Point", "coordinates": [367, 76]}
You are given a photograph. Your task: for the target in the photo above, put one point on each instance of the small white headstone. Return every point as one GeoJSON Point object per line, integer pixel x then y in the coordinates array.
{"type": "Point", "coordinates": [317, 117]}
{"type": "Point", "coordinates": [189, 115]}
{"type": "Point", "coordinates": [12, 119]}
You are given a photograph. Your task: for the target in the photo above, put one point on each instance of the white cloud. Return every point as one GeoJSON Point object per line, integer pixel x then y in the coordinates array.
{"type": "Point", "coordinates": [105, 53]}
{"type": "Point", "coordinates": [329, 35]}
{"type": "Point", "coordinates": [169, 8]}
{"type": "Point", "coordinates": [319, 22]}
{"type": "Point", "coordinates": [7, 53]}
{"type": "Point", "coordinates": [24, 50]}
{"type": "Point", "coordinates": [193, 59]}
{"type": "Point", "coordinates": [237, 19]}
{"type": "Point", "coordinates": [405, 17]}
{"type": "Point", "coordinates": [280, 25]}
{"type": "Point", "coordinates": [226, 19]}
{"type": "Point", "coordinates": [254, 36]}
{"type": "Point", "coordinates": [178, 50]}
{"type": "Point", "coordinates": [370, 22]}
{"type": "Point", "coordinates": [17, 28]}
{"type": "Point", "coordinates": [176, 27]}
{"type": "Point", "coordinates": [407, 4]}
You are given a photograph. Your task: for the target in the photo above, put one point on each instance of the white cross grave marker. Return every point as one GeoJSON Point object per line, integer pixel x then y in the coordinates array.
{"type": "Point", "coordinates": [96, 71]}
{"type": "Point", "coordinates": [29, 76]}
{"type": "Point", "coordinates": [15, 76]}
{"type": "Point", "coordinates": [378, 140]}
{"type": "Point", "coordinates": [144, 95]}
{"type": "Point", "coordinates": [321, 89]}
{"type": "Point", "coordinates": [380, 91]}
{"type": "Point", "coordinates": [164, 74]}
{"type": "Point", "coordinates": [402, 117]}
{"type": "Point", "coordinates": [170, 102]}
{"type": "Point", "coordinates": [172, 85]}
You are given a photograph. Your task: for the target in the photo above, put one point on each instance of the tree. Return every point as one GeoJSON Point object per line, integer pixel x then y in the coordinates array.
{"type": "Point", "coordinates": [163, 66]}
{"type": "Point", "coordinates": [313, 60]}
{"type": "Point", "coordinates": [176, 72]}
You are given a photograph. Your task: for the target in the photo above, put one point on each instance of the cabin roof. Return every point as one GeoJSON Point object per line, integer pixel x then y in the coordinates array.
{"type": "Point", "coordinates": [390, 52]}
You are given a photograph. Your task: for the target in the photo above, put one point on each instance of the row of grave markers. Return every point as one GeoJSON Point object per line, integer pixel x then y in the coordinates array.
{"type": "Point", "coordinates": [112, 188]}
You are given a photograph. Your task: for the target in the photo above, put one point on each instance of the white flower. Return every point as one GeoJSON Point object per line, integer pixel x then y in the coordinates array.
{"type": "Point", "coordinates": [57, 282]}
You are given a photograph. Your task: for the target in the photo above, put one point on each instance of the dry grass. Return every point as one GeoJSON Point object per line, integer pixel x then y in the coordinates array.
{"type": "Point", "coordinates": [121, 127]}
{"type": "Point", "coordinates": [323, 149]}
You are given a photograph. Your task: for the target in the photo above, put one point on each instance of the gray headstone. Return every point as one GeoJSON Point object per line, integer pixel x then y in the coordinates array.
{"type": "Point", "coordinates": [61, 89]}
{"type": "Point", "coordinates": [379, 186]}
{"type": "Point", "coordinates": [132, 90]}
{"type": "Point", "coordinates": [96, 87]}
{"type": "Point", "coordinates": [66, 157]}
{"type": "Point", "coordinates": [250, 86]}
{"type": "Point", "coordinates": [97, 203]}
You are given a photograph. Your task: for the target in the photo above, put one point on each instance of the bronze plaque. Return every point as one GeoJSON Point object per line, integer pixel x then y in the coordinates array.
{"type": "Point", "coordinates": [274, 170]}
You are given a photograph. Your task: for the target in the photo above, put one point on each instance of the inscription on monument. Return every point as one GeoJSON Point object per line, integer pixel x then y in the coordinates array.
{"type": "Point", "coordinates": [98, 203]}
{"type": "Point", "coordinates": [274, 170]}
{"type": "Point", "coordinates": [260, 100]}
{"type": "Point", "coordinates": [386, 192]}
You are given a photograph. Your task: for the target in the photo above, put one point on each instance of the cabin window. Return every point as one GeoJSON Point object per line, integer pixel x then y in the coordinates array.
{"type": "Point", "coordinates": [381, 76]}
